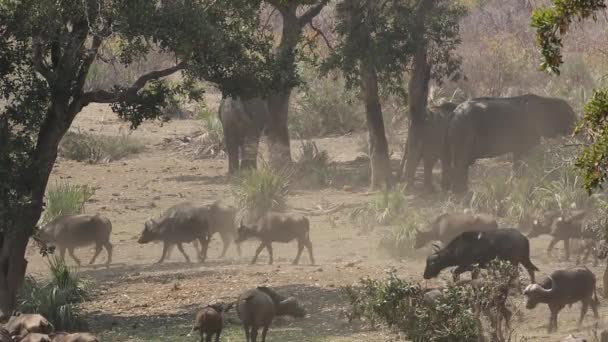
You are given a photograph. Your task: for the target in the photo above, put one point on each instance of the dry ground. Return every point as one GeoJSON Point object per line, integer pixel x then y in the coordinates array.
{"type": "Point", "coordinates": [136, 300]}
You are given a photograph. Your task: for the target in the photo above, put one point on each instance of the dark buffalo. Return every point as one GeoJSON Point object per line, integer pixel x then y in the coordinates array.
{"type": "Point", "coordinates": [447, 226]}
{"type": "Point", "coordinates": [72, 231]}
{"type": "Point", "coordinates": [561, 288]}
{"type": "Point", "coordinates": [433, 144]}
{"type": "Point", "coordinates": [562, 226]}
{"type": "Point", "coordinates": [257, 308]}
{"type": "Point", "coordinates": [182, 223]}
{"type": "Point", "coordinates": [243, 122]}
{"type": "Point", "coordinates": [489, 127]}
{"type": "Point", "coordinates": [470, 248]}
{"type": "Point", "coordinates": [276, 227]}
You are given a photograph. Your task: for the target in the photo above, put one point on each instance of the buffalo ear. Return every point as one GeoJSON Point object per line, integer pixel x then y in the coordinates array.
{"type": "Point", "coordinates": [436, 247]}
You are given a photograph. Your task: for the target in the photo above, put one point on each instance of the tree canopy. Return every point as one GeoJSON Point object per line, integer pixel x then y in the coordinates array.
{"type": "Point", "coordinates": [551, 24]}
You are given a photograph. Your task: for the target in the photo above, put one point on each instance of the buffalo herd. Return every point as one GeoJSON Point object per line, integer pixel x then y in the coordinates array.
{"type": "Point", "coordinates": [456, 135]}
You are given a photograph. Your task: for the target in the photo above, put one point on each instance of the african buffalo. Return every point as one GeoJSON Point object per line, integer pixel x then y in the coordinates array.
{"type": "Point", "coordinates": [488, 127]}
{"type": "Point", "coordinates": [447, 226]}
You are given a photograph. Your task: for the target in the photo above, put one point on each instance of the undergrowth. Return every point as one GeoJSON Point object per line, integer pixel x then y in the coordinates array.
{"type": "Point", "coordinates": [93, 148]}
{"type": "Point", "coordinates": [66, 199]}
{"type": "Point", "coordinates": [262, 190]}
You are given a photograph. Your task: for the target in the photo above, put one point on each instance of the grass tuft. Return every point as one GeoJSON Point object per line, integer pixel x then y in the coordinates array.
{"type": "Point", "coordinates": [92, 148]}
{"type": "Point", "coordinates": [66, 199]}
{"type": "Point", "coordinates": [262, 190]}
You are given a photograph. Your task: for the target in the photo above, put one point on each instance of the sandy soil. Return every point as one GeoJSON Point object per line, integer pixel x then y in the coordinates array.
{"type": "Point", "coordinates": [135, 298]}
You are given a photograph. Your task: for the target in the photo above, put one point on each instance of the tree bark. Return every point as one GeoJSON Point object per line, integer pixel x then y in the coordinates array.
{"type": "Point", "coordinates": [277, 131]}
{"type": "Point", "coordinates": [378, 145]}
{"type": "Point", "coordinates": [418, 93]}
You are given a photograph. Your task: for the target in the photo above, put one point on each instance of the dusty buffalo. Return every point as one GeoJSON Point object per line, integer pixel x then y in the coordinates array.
{"type": "Point", "coordinates": [470, 248]}
{"type": "Point", "coordinates": [243, 122]}
{"type": "Point", "coordinates": [561, 226]}
{"type": "Point", "coordinates": [447, 226]}
{"type": "Point", "coordinates": [71, 231]}
{"type": "Point", "coordinates": [20, 325]}
{"type": "Point", "coordinates": [257, 308]}
{"type": "Point", "coordinates": [561, 288]}
{"type": "Point", "coordinates": [182, 223]}
{"type": "Point", "coordinates": [209, 321]}
{"type": "Point", "coordinates": [489, 127]}
{"type": "Point", "coordinates": [432, 144]}
{"type": "Point", "coordinates": [275, 227]}
{"type": "Point", "coordinates": [222, 221]}
{"type": "Point", "coordinates": [75, 337]}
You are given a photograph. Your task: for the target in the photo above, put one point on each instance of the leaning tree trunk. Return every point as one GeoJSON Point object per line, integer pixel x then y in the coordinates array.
{"type": "Point", "coordinates": [277, 131]}
{"type": "Point", "coordinates": [378, 145]}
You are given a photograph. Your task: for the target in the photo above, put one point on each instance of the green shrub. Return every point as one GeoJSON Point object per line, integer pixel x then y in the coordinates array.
{"type": "Point", "coordinates": [91, 148]}
{"type": "Point", "coordinates": [57, 299]}
{"type": "Point", "coordinates": [66, 199]}
{"type": "Point", "coordinates": [212, 141]}
{"type": "Point", "coordinates": [262, 190]}
{"type": "Point", "coordinates": [324, 106]}
{"type": "Point", "coordinates": [400, 304]}
{"type": "Point", "coordinates": [386, 209]}
{"type": "Point", "coordinates": [398, 242]}
{"type": "Point", "coordinates": [314, 167]}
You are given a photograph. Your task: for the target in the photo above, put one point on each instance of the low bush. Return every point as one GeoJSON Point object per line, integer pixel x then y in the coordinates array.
{"type": "Point", "coordinates": [91, 148]}
{"type": "Point", "coordinates": [211, 143]}
{"type": "Point", "coordinates": [66, 199]}
{"type": "Point", "coordinates": [398, 242]}
{"type": "Point", "coordinates": [386, 209]}
{"type": "Point", "coordinates": [262, 190]}
{"type": "Point", "coordinates": [313, 168]}
{"type": "Point", "coordinates": [57, 299]}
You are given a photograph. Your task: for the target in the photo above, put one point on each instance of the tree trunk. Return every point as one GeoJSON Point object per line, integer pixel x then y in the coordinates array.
{"type": "Point", "coordinates": [418, 90]}
{"type": "Point", "coordinates": [277, 131]}
{"type": "Point", "coordinates": [378, 145]}
{"type": "Point", "coordinates": [12, 266]}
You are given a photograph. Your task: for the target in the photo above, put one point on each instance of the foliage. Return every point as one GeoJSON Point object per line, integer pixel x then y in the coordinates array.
{"type": "Point", "coordinates": [93, 148]}
{"type": "Point", "coordinates": [211, 143]}
{"type": "Point", "coordinates": [58, 299]}
{"type": "Point", "coordinates": [323, 106]}
{"type": "Point", "coordinates": [551, 24]}
{"type": "Point", "coordinates": [66, 199]}
{"type": "Point", "coordinates": [400, 304]}
{"type": "Point", "coordinates": [262, 190]}
{"type": "Point", "coordinates": [386, 209]}
{"type": "Point", "coordinates": [398, 242]}
{"type": "Point", "coordinates": [314, 168]}
{"type": "Point", "coordinates": [384, 33]}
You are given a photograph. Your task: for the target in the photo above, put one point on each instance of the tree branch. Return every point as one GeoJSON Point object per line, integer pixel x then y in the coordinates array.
{"type": "Point", "coordinates": [38, 59]}
{"type": "Point", "coordinates": [104, 96]}
{"type": "Point", "coordinates": [312, 12]}
{"type": "Point", "coordinates": [322, 34]}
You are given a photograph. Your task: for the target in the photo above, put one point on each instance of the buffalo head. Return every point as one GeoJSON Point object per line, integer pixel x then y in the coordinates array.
{"type": "Point", "coordinates": [150, 232]}
{"type": "Point", "coordinates": [433, 266]}
{"type": "Point", "coordinates": [245, 232]}
{"type": "Point", "coordinates": [535, 293]}
{"type": "Point", "coordinates": [291, 307]}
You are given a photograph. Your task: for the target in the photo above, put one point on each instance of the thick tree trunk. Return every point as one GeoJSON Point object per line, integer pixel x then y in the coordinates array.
{"type": "Point", "coordinates": [378, 145]}
{"type": "Point", "coordinates": [277, 131]}
{"type": "Point", "coordinates": [418, 90]}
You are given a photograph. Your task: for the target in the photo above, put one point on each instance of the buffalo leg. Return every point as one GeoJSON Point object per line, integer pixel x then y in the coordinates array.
{"type": "Point", "coordinates": [109, 248]}
{"type": "Point", "coordinates": [226, 238]}
{"type": "Point", "coordinates": [458, 270]}
{"type": "Point", "coordinates": [247, 337]}
{"type": "Point", "coordinates": [98, 248]}
{"type": "Point", "coordinates": [584, 309]}
{"type": "Point", "coordinates": [300, 249]}
{"type": "Point", "coordinates": [567, 248]}
{"type": "Point", "coordinates": [269, 248]}
{"type": "Point", "coordinates": [71, 252]}
{"type": "Point", "coordinates": [309, 248]}
{"type": "Point", "coordinates": [552, 244]}
{"type": "Point", "coordinates": [257, 252]}
{"type": "Point", "coordinates": [166, 247]}
{"type": "Point", "coordinates": [180, 247]}
{"type": "Point", "coordinates": [254, 333]}
{"type": "Point", "coordinates": [217, 336]}
{"type": "Point", "coordinates": [202, 255]}
{"type": "Point", "coordinates": [264, 332]}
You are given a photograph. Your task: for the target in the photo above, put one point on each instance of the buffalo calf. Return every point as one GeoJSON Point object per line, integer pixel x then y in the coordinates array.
{"type": "Point", "coordinates": [22, 324]}
{"type": "Point", "coordinates": [209, 321]}
{"type": "Point", "coordinates": [275, 227]}
{"type": "Point", "coordinates": [561, 288]}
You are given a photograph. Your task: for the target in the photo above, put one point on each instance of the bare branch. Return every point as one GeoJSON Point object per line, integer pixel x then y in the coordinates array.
{"type": "Point", "coordinates": [322, 34]}
{"type": "Point", "coordinates": [312, 12]}
{"type": "Point", "coordinates": [104, 96]}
